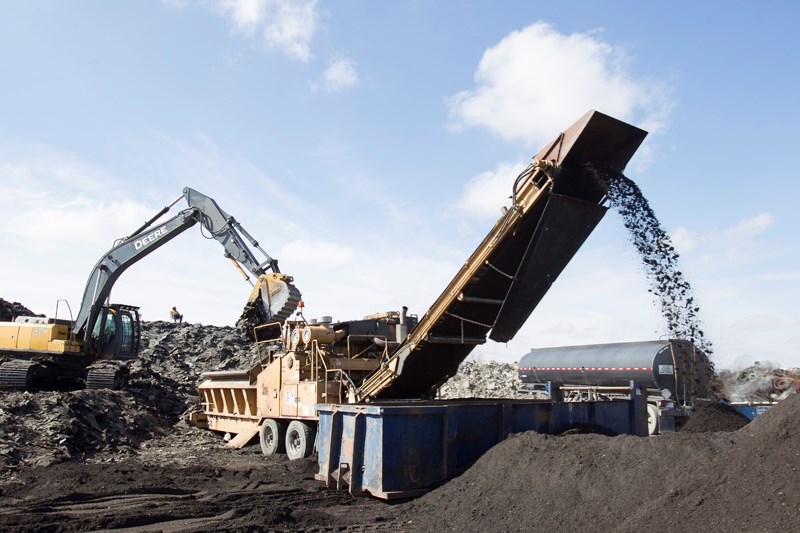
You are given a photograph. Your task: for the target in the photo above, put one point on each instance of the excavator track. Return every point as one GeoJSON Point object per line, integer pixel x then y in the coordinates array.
{"type": "Point", "coordinates": [108, 376]}
{"type": "Point", "coordinates": [17, 374]}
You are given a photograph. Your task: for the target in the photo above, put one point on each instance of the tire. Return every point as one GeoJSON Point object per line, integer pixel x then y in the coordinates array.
{"type": "Point", "coordinates": [652, 419]}
{"type": "Point", "coordinates": [299, 440]}
{"type": "Point", "coordinates": [271, 436]}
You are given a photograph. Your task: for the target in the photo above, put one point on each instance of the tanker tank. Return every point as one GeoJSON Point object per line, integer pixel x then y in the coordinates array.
{"type": "Point", "coordinates": [673, 370]}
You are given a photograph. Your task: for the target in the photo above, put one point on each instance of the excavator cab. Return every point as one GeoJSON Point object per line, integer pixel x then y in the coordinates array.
{"type": "Point", "coordinates": [117, 332]}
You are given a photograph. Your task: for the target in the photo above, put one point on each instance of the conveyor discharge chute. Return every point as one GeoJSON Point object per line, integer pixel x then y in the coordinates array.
{"type": "Point", "coordinates": [556, 205]}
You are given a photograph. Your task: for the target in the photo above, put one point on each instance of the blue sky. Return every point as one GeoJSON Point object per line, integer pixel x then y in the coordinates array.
{"type": "Point", "coordinates": [370, 145]}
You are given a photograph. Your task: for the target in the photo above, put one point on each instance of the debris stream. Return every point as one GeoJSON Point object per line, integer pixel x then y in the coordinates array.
{"type": "Point", "coordinates": [659, 258]}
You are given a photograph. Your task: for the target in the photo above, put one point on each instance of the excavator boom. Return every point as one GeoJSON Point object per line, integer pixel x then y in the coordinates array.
{"type": "Point", "coordinates": [280, 297]}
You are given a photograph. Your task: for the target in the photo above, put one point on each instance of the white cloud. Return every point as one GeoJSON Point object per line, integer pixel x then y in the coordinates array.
{"type": "Point", "coordinates": [340, 74]}
{"type": "Point", "coordinates": [34, 167]}
{"type": "Point", "coordinates": [751, 323]}
{"type": "Point", "coordinates": [65, 212]}
{"type": "Point", "coordinates": [537, 80]}
{"type": "Point", "coordinates": [735, 243]}
{"type": "Point", "coordinates": [246, 15]}
{"type": "Point", "coordinates": [286, 25]}
{"type": "Point", "coordinates": [750, 227]}
{"type": "Point", "coordinates": [292, 28]}
{"type": "Point", "coordinates": [82, 218]}
{"type": "Point", "coordinates": [487, 193]}
{"type": "Point", "coordinates": [746, 291]}
{"type": "Point", "coordinates": [361, 188]}
{"type": "Point", "coordinates": [53, 198]}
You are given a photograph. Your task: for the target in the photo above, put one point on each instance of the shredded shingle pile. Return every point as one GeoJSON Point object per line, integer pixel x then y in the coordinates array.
{"type": "Point", "coordinates": [45, 427]}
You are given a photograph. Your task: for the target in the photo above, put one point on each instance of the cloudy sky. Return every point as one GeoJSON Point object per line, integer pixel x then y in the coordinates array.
{"type": "Point", "coordinates": [369, 146]}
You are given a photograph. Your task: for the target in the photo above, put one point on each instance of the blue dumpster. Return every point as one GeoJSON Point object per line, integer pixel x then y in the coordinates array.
{"type": "Point", "coordinates": [403, 449]}
{"type": "Point", "coordinates": [752, 409]}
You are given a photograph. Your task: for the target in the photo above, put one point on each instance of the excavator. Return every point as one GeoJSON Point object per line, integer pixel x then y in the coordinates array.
{"type": "Point", "coordinates": [95, 346]}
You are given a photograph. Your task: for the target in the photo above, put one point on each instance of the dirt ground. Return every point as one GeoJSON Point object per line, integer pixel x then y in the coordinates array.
{"type": "Point", "coordinates": [188, 481]}
{"type": "Point", "coordinates": [82, 460]}
{"type": "Point", "coordinates": [724, 480]}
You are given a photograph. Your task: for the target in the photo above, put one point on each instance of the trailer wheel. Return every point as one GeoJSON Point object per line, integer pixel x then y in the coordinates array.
{"type": "Point", "coordinates": [652, 419]}
{"type": "Point", "coordinates": [271, 435]}
{"type": "Point", "coordinates": [299, 440]}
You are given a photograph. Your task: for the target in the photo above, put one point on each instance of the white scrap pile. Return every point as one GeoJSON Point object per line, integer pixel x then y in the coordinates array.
{"type": "Point", "coordinates": [484, 379]}
{"type": "Point", "coordinates": [761, 382]}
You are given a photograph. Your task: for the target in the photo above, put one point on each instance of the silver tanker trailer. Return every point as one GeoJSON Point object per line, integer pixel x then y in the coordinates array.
{"type": "Point", "coordinates": [677, 373]}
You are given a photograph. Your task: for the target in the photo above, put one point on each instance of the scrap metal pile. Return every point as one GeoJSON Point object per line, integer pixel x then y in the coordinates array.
{"type": "Point", "coordinates": [485, 379]}
{"type": "Point", "coordinates": [760, 382]}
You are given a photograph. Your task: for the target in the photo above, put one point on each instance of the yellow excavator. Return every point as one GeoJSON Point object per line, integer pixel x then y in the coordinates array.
{"type": "Point", "coordinates": [94, 347]}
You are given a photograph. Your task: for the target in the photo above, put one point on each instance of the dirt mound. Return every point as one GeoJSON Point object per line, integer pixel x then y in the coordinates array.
{"type": "Point", "coordinates": [715, 417]}
{"type": "Point", "coordinates": [781, 422]}
{"type": "Point", "coordinates": [739, 481]}
{"type": "Point", "coordinates": [587, 481]}
{"type": "Point", "coordinates": [751, 487]}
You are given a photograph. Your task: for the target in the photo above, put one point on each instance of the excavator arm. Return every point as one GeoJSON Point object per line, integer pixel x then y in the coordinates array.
{"type": "Point", "coordinates": [277, 295]}
{"type": "Point", "coordinates": [225, 229]}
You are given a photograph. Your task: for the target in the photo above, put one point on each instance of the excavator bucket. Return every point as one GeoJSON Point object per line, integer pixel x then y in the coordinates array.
{"type": "Point", "coordinates": [557, 203]}
{"type": "Point", "coordinates": [273, 299]}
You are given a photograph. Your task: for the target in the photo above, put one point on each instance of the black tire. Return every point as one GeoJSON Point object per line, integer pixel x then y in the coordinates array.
{"type": "Point", "coordinates": [272, 436]}
{"type": "Point", "coordinates": [299, 440]}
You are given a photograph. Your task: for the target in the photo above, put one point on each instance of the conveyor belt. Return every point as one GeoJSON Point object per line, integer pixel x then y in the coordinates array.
{"type": "Point", "coordinates": [557, 204]}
